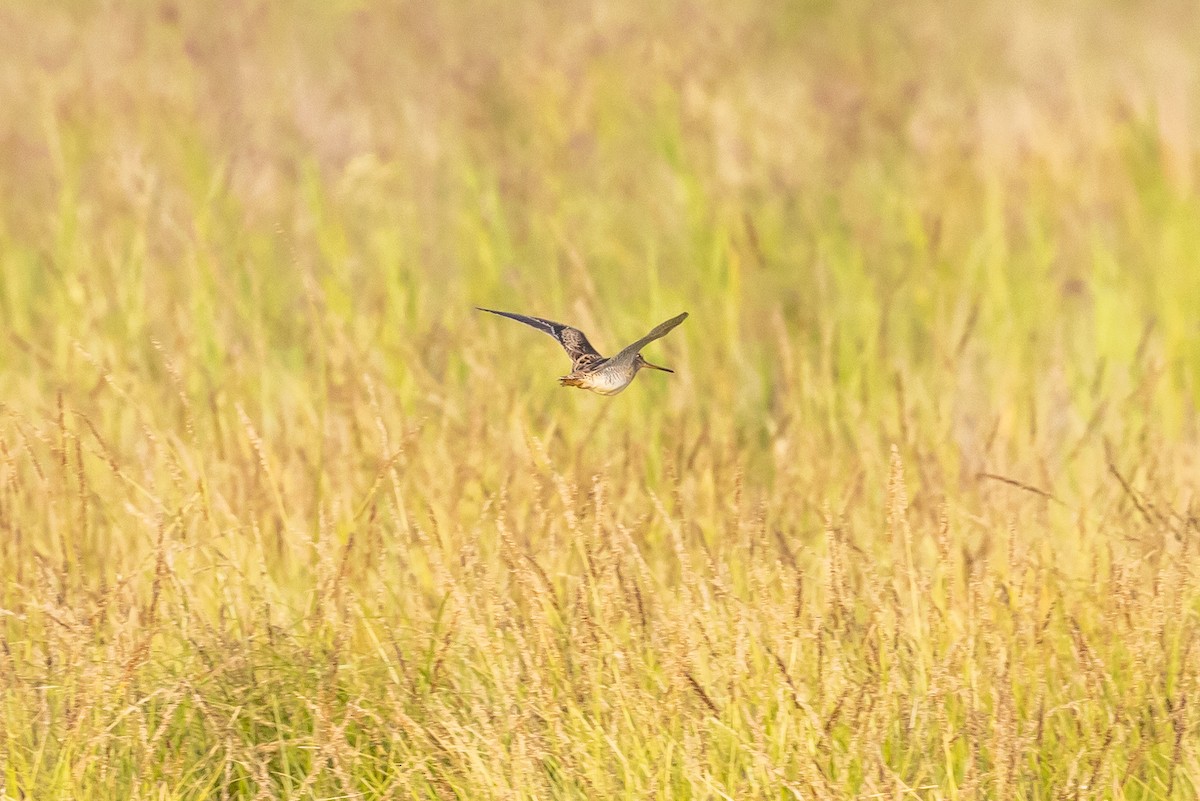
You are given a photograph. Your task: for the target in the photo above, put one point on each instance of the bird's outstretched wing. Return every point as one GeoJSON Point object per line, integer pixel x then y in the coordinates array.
{"type": "Point", "coordinates": [660, 331]}
{"type": "Point", "coordinates": [572, 339]}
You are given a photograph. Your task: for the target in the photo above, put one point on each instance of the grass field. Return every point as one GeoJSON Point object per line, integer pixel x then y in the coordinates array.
{"type": "Point", "coordinates": [281, 516]}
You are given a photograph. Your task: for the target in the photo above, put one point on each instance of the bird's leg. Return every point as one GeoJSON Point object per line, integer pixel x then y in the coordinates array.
{"type": "Point", "coordinates": [570, 381]}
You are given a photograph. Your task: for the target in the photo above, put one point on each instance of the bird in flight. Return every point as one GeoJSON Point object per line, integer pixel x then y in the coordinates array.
{"type": "Point", "coordinates": [590, 370]}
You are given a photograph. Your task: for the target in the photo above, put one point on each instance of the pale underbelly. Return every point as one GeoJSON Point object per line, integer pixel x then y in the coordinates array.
{"type": "Point", "coordinates": [603, 384]}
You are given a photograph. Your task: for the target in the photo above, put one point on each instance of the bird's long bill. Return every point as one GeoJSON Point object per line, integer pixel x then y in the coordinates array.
{"type": "Point", "coordinates": [656, 367]}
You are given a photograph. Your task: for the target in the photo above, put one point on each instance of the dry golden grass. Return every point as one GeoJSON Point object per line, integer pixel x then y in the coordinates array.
{"type": "Point", "coordinates": [281, 517]}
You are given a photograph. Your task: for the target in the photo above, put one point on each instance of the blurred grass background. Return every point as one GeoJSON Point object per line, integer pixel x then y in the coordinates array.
{"type": "Point", "coordinates": [281, 516]}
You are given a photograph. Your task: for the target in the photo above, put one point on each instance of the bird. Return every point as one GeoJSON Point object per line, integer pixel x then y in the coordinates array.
{"type": "Point", "coordinates": [590, 370]}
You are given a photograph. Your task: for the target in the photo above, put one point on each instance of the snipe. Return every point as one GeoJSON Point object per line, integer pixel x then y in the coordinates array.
{"type": "Point", "coordinates": [590, 370]}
